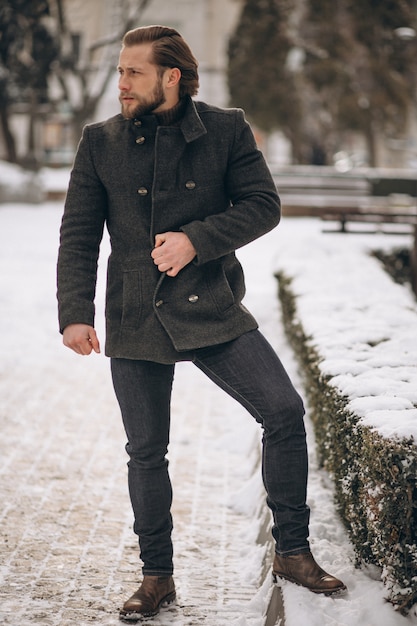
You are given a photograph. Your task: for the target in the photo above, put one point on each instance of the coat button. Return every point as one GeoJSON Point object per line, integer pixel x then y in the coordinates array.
{"type": "Point", "coordinates": [190, 184]}
{"type": "Point", "coordinates": [142, 191]}
{"type": "Point", "coordinates": [138, 123]}
{"type": "Point", "coordinates": [192, 298]}
{"type": "Point", "coordinates": [140, 140]}
{"type": "Point", "coordinates": [159, 302]}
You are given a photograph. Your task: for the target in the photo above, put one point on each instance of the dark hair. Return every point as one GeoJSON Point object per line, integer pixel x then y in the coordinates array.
{"type": "Point", "coordinates": [169, 49]}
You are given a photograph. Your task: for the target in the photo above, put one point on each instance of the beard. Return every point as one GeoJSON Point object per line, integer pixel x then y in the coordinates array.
{"type": "Point", "coordinates": [143, 106]}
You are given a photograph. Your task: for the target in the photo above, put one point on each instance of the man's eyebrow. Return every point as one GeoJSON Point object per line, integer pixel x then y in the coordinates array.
{"type": "Point", "coordinates": [129, 67]}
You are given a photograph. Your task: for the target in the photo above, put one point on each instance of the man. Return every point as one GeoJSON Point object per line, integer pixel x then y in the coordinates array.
{"type": "Point", "coordinates": [180, 186]}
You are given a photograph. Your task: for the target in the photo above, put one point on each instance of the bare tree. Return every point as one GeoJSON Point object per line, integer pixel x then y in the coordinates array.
{"type": "Point", "coordinates": [37, 50]}
{"type": "Point", "coordinates": [91, 75]}
{"type": "Point", "coordinates": [27, 51]}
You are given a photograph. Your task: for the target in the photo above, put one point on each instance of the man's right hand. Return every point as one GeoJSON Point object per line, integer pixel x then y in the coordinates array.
{"type": "Point", "coordinates": [81, 338]}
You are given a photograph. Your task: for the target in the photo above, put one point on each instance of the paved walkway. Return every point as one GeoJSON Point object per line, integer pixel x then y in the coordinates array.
{"type": "Point", "coordinates": [68, 555]}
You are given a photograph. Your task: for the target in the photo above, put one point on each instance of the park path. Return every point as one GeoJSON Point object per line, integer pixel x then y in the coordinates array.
{"type": "Point", "coordinates": [68, 553]}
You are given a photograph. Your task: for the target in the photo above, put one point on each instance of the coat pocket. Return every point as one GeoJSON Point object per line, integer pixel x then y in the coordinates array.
{"type": "Point", "coordinates": [132, 298]}
{"type": "Point", "coordinates": [219, 288]}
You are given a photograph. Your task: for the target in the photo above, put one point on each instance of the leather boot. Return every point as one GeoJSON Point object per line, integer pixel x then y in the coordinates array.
{"type": "Point", "coordinates": [154, 592]}
{"type": "Point", "coordinates": [303, 570]}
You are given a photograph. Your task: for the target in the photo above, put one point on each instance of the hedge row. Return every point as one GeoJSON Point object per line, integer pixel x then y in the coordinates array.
{"type": "Point", "coordinates": [375, 477]}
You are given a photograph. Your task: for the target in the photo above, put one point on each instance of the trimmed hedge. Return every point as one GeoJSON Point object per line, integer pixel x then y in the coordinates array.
{"type": "Point", "coordinates": [375, 477]}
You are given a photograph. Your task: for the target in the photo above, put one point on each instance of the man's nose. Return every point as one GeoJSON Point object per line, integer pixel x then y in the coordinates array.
{"type": "Point", "coordinates": [123, 83]}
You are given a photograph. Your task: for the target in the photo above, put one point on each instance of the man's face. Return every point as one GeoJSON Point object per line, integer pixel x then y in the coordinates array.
{"type": "Point", "coordinates": [140, 84]}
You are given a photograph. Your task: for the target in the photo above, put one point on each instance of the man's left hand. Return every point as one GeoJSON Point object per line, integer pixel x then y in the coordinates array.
{"type": "Point", "coordinates": [172, 252]}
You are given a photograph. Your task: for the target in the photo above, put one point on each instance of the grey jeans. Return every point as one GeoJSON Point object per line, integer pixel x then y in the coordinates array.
{"type": "Point", "coordinates": [249, 370]}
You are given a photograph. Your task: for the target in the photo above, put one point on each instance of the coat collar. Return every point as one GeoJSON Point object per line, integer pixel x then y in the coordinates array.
{"type": "Point", "coordinates": [191, 124]}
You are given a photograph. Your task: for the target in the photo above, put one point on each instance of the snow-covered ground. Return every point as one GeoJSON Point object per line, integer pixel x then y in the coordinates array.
{"type": "Point", "coordinates": [29, 330]}
{"type": "Point", "coordinates": [20, 185]}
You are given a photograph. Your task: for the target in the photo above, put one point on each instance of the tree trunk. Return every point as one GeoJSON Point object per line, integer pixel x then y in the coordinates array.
{"type": "Point", "coordinates": [9, 140]}
{"type": "Point", "coordinates": [413, 263]}
{"type": "Point", "coordinates": [371, 145]}
{"type": "Point", "coordinates": [30, 159]}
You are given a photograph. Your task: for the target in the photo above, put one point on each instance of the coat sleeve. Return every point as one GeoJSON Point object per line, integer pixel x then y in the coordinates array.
{"type": "Point", "coordinates": [254, 207]}
{"type": "Point", "coordinates": [80, 236]}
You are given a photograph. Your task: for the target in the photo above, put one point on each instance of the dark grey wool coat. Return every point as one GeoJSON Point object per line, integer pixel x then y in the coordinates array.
{"type": "Point", "coordinates": [206, 178]}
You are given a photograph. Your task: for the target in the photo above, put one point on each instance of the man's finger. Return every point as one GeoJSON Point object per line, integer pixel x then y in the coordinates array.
{"type": "Point", "coordinates": [81, 338]}
{"type": "Point", "coordinates": [95, 344]}
{"type": "Point", "coordinates": [159, 240]}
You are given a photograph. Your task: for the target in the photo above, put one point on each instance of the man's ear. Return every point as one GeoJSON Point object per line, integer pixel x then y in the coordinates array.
{"type": "Point", "coordinates": [173, 76]}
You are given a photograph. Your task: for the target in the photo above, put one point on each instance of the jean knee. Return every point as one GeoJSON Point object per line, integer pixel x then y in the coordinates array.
{"type": "Point", "coordinates": [286, 419]}
{"type": "Point", "coordinates": [146, 457]}
{"type": "Point", "coordinates": [288, 404]}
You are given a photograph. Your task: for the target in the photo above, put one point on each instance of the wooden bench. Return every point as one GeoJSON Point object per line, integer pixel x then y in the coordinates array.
{"type": "Point", "coordinates": [382, 221]}
{"type": "Point", "coordinates": [322, 185]}
{"type": "Point", "coordinates": [315, 204]}
{"type": "Point", "coordinates": [378, 200]}
{"type": "Point", "coordinates": [398, 213]}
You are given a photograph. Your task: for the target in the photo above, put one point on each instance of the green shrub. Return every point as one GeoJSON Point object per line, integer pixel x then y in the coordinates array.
{"type": "Point", "coordinates": [375, 477]}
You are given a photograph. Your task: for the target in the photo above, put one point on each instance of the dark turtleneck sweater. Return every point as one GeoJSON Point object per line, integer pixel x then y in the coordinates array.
{"type": "Point", "coordinates": [173, 116]}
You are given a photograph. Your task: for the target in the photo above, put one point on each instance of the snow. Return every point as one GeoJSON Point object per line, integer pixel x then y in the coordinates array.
{"type": "Point", "coordinates": [54, 179]}
{"type": "Point", "coordinates": [348, 304]}
{"type": "Point", "coordinates": [19, 185]}
{"type": "Point", "coordinates": [12, 174]}
{"type": "Point", "coordinates": [369, 338]}
{"type": "Point", "coordinates": [363, 324]}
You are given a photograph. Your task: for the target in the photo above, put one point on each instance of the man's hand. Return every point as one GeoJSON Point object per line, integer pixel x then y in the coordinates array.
{"type": "Point", "coordinates": [172, 252]}
{"type": "Point", "coordinates": [81, 338]}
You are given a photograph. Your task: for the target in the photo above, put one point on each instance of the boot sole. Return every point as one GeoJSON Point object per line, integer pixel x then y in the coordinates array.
{"type": "Point", "coordinates": [340, 591]}
{"type": "Point", "coordinates": [137, 617]}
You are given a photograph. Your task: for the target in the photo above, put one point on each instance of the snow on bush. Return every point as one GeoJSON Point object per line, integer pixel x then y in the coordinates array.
{"type": "Point", "coordinates": [355, 333]}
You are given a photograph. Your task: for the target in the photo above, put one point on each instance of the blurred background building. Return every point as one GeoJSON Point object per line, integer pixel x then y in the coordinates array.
{"type": "Point", "coordinates": [322, 83]}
